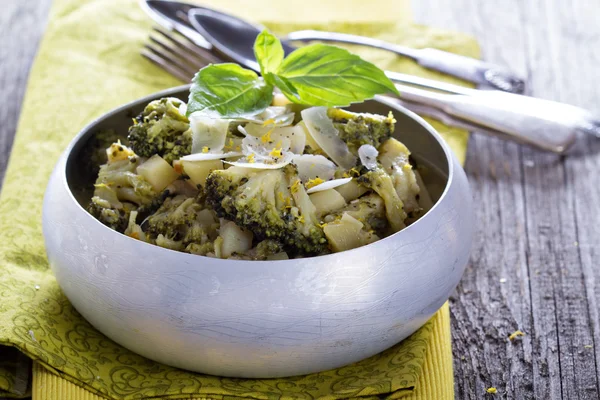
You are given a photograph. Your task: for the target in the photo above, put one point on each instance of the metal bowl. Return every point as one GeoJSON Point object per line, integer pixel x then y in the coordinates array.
{"type": "Point", "coordinates": [259, 318]}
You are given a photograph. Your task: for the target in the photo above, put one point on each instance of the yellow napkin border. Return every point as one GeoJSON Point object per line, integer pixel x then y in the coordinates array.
{"type": "Point", "coordinates": [436, 381]}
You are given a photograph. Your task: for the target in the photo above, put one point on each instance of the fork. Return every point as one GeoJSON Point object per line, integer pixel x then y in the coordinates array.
{"type": "Point", "coordinates": [548, 125]}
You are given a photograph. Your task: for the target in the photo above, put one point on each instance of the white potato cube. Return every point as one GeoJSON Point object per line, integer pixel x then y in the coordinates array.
{"type": "Point", "coordinates": [198, 171]}
{"type": "Point", "coordinates": [347, 233]}
{"type": "Point", "coordinates": [351, 190]}
{"type": "Point", "coordinates": [235, 239]}
{"type": "Point", "coordinates": [158, 172]}
{"type": "Point", "coordinates": [327, 201]}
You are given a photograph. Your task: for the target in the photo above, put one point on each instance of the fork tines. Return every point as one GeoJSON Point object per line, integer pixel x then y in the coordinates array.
{"type": "Point", "coordinates": [176, 54]}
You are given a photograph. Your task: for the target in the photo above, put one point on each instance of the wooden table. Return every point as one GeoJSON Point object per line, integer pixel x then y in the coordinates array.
{"type": "Point", "coordinates": [535, 260]}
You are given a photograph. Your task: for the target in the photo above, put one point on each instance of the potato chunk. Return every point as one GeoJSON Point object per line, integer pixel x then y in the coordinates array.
{"type": "Point", "coordinates": [351, 190]}
{"type": "Point", "coordinates": [235, 239]}
{"type": "Point", "coordinates": [327, 201]}
{"type": "Point", "coordinates": [347, 233]}
{"type": "Point", "coordinates": [199, 170]}
{"type": "Point", "coordinates": [157, 172]}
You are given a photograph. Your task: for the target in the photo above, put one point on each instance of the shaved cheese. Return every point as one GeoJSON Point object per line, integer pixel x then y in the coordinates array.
{"type": "Point", "coordinates": [368, 156]}
{"type": "Point", "coordinates": [264, 150]}
{"type": "Point", "coordinates": [233, 144]}
{"type": "Point", "coordinates": [309, 139]}
{"type": "Point", "coordinates": [279, 116]}
{"type": "Point", "coordinates": [323, 131]}
{"type": "Point", "coordinates": [295, 134]}
{"type": "Point", "coordinates": [247, 162]}
{"type": "Point", "coordinates": [297, 137]}
{"type": "Point", "coordinates": [314, 166]}
{"type": "Point", "coordinates": [208, 132]}
{"type": "Point", "coordinates": [328, 185]}
{"type": "Point", "coordinates": [211, 156]}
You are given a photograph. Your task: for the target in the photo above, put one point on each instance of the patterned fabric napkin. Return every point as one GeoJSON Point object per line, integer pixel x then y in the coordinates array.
{"type": "Point", "coordinates": [88, 63]}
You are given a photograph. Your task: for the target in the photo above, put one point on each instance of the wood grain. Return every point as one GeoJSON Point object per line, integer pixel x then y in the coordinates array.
{"type": "Point", "coordinates": [21, 26]}
{"type": "Point", "coordinates": [534, 262]}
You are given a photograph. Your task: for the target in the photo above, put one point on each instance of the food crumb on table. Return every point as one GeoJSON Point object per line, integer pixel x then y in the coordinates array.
{"type": "Point", "coordinates": [515, 334]}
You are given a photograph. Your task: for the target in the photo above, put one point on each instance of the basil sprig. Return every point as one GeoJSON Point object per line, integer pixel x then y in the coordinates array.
{"type": "Point", "coordinates": [315, 75]}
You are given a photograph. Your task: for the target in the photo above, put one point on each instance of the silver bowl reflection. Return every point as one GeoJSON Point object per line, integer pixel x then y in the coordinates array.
{"type": "Point", "coordinates": [259, 318]}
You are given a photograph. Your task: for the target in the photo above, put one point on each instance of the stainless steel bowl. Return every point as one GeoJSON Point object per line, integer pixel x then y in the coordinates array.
{"type": "Point", "coordinates": [259, 318]}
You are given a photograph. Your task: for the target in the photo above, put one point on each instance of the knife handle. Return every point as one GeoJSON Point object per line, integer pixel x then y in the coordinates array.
{"type": "Point", "coordinates": [531, 125]}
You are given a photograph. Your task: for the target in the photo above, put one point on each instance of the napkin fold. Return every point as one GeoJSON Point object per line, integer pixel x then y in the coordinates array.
{"type": "Point", "coordinates": [89, 63]}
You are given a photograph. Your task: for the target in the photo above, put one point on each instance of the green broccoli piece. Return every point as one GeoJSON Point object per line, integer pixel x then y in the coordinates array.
{"type": "Point", "coordinates": [200, 249]}
{"type": "Point", "coordinates": [267, 248]}
{"type": "Point", "coordinates": [161, 129]}
{"type": "Point", "coordinates": [359, 129]}
{"type": "Point", "coordinates": [264, 250]}
{"type": "Point", "coordinates": [178, 224]}
{"type": "Point", "coordinates": [381, 183]}
{"type": "Point", "coordinates": [120, 179]}
{"type": "Point", "coordinates": [118, 191]}
{"type": "Point", "coordinates": [117, 219]}
{"type": "Point", "coordinates": [272, 204]}
{"type": "Point", "coordinates": [369, 210]}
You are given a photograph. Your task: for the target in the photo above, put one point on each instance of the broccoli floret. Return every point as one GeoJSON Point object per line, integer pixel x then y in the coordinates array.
{"type": "Point", "coordinates": [394, 157]}
{"type": "Point", "coordinates": [272, 204]}
{"type": "Point", "coordinates": [200, 249]}
{"type": "Point", "coordinates": [368, 209]}
{"type": "Point", "coordinates": [114, 218]}
{"type": "Point", "coordinates": [161, 129]}
{"type": "Point", "coordinates": [177, 223]}
{"type": "Point", "coordinates": [120, 179]}
{"type": "Point", "coordinates": [264, 250]}
{"type": "Point", "coordinates": [358, 129]}
{"type": "Point", "coordinates": [133, 229]}
{"type": "Point", "coordinates": [381, 183]}
{"type": "Point", "coordinates": [118, 191]}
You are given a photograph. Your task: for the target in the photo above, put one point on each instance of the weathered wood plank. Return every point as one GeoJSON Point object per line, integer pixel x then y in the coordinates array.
{"type": "Point", "coordinates": [21, 26]}
{"type": "Point", "coordinates": [538, 215]}
{"type": "Point", "coordinates": [561, 73]}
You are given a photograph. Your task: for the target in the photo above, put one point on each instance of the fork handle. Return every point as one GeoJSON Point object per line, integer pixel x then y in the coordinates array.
{"type": "Point", "coordinates": [523, 124]}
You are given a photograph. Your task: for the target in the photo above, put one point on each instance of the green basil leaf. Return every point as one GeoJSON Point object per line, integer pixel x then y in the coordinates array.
{"type": "Point", "coordinates": [330, 76]}
{"type": "Point", "coordinates": [268, 52]}
{"type": "Point", "coordinates": [284, 85]}
{"type": "Point", "coordinates": [228, 91]}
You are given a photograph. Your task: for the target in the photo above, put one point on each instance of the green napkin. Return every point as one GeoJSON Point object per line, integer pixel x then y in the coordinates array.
{"type": "Point", "coordinates": [89, 63]}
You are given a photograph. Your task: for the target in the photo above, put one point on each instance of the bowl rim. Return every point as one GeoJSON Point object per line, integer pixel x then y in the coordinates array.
{"type": "Point", "coordinates": [388, 101]}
